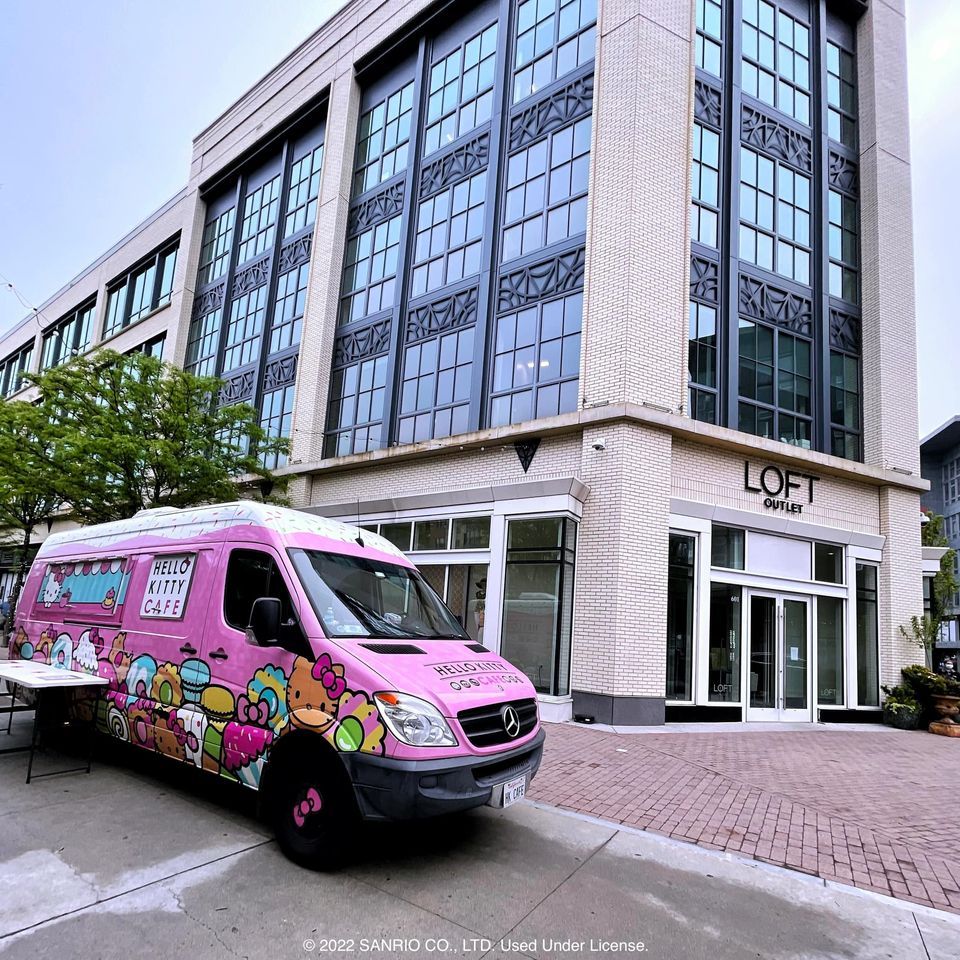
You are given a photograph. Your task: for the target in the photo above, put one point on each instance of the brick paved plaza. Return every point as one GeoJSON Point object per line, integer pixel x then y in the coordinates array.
{"type": "Point", "coordinates": [875, 809]}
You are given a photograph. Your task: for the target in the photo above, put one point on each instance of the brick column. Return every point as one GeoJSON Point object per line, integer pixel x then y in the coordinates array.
{"type": "Point", "coordinates": [635, 327]}
{"type": "Point", "coordinates": [619, 639]}
{"type": "Point", "coordinates": [890, 429]}
{"type": "Point", "coordinates": [326, 265]}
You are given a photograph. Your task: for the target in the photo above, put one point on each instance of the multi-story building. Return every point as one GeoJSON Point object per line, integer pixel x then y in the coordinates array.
{"type": "Point", "coordinates": [601, 310]}
{"type": "Point", "coordinates": [940, 465]}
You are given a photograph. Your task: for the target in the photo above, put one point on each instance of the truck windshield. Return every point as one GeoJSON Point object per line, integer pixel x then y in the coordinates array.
{"type": "Point", "coordinates": [359, 597]}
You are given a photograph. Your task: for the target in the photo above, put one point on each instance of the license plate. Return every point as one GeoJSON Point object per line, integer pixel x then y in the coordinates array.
{"type": "Point", "coordinates": [513, 790]}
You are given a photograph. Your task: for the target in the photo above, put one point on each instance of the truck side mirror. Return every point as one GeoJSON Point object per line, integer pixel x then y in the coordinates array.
{"type": "Point", "coordinates": [264, 626]}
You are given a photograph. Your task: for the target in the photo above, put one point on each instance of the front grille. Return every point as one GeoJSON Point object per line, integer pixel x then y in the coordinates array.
{"type": "Point", "coordinates": [484, 725]}
{"type": "Point", "coordinates": [392, 648]}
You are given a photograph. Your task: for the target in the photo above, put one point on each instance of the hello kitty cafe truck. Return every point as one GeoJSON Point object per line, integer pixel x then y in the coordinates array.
{"type": "Point", "coordinates": [298, 656]}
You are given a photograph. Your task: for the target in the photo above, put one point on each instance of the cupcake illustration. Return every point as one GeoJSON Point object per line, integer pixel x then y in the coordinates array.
{"type": "Point", "coordinates": [110, 599]}
{"type": "Point", "coordinates": [85, 654]}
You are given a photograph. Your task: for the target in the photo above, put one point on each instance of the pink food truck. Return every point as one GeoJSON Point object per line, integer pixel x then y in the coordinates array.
{"type": "Point", "coordinates": [298, 656]}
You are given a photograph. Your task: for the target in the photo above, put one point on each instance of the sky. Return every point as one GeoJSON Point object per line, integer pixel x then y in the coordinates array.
{"type": "Point", "coordinates": [100, 100]}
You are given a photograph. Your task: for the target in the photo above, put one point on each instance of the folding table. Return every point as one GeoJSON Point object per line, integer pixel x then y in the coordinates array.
{"type": "Point", "coordinates": [41, 677]}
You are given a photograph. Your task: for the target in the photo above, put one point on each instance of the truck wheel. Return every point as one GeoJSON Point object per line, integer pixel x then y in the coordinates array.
{"type": "Point", "coordinates": [313, 813]}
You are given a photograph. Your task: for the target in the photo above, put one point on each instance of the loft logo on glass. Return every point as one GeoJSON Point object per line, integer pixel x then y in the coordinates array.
{"type": "Point", "coordinates": [782, 490]}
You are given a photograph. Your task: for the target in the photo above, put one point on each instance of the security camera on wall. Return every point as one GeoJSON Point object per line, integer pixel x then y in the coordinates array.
{"type": "Point", "coordinates": [599, 444]}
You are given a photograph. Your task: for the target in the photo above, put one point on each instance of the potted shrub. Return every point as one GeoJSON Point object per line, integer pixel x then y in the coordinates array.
{"type": "Point", "coordinates": [900, 708]}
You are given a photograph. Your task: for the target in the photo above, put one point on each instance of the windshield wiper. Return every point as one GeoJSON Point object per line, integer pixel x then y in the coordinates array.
{"type": "Point", "coordinates": [374, 619]}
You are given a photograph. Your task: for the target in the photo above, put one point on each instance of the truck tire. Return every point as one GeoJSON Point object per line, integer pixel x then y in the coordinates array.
{"type": "Point", "coordinates": [313, 812]}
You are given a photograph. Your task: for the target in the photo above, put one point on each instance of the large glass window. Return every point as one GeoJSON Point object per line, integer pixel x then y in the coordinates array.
{"type": "Point", "coordinates": [774, 216]}
{"type": "Point", "coordinates": [705, 185]}
{"type": "Point", "coordinates": [463, 588]}
{"type": "Point", "coordinates": [829, 651]}
{"type": "Point", "coordinates": [776, 59]}
{"type": "Point", "coordinates": [449, 231]}
{"type": "Point", "coordinates": [546, 199]}
{"type": "Point", "coordinates": [370, 271]}
{"type": "Point", "coordinates": [727, 547]}
{"type": "Point", "coordinates": [259, 219]}
{"type": "Point", "coordinates": [775, 384]}
{"type": "Point", "coordinates": [68, 337]}
{"type": "Point", "coordinates": [215, 249]}
{"type": "Point", "coordinates": [868, 653]}
{"type": "Point", "coordinates": [384, 139]}
{"type": "Point", "coordinates": [536, 362]}
{"type": "Point", "coordinates": [538, 600]}
{"type": "Point", "coordinates": [276, 419]}
{"type": "Point", "coordinates": [680, 595]}
{"type": "Point", "coordinates": [702, 362]}
{"type": "Point", "coordinates": [553, 38]}
{"type": "Point", "coordinates": [435, 387]}
{"type": "Point", "coordinates": [302, 195]}
{"type": "Point", "coordinates": [841, 95]}
{"type": "Point", "coordinates": [828, 562]}
{"type": "Point", "coordinates": [356, 407]}
{"type": "Point", "coordinates": [843, 247]}
{"type": "Point", "coordinates": [460, 96]}
{"type": "Point", "coordinates": [844, 405]}
{"type": "Point", "coordinates": [145, 288]}
{"type": "Point", "coordinates": [202, 343]}
{"type": "Point", "coordinates": [244, 328]}
{"type": "Point", "coordinates": [725, 628]}
{"type": "Point", "coordinates": [13, 368]}
{"type": "Point", "coordinates": [709, 35]}
{"type": "Point", "coordinates": [288, 308]}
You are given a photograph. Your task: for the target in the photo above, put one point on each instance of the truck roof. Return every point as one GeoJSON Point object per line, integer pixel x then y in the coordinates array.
{"type": "Point", "coordinates": [192, 522]}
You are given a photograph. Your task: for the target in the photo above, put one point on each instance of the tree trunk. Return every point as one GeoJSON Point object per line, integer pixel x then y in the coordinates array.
{"type": "Point", "coordinates": [21, 574]}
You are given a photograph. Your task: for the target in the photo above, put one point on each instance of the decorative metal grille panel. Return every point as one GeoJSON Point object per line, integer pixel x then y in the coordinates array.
{"type": "Point", "coordinates": [762, 301]}
{"type": "Point", "coordinates": [844, 330]}
{"type": "Point", "coordinates": [252, 277]}
{"type": "Point", "coordinates": [707, 104]}
{"type": "Point", "coordinates": [572, 101]}
{"type": "Point", "coordinates": [843, 174]}
{"type": "Point", "coordinates": [455, 165]}
{"type": "Point", "coordinates": [358, 344]}
{"type": "Point", "coordinates": [775, 138]}
{"type": "Point", "coordinates": [295, 253]}
{"type": "Point", "coordinates": [560, 274]}
{"type": "Point", "coordinates": [381, 206]}
{"type": "Point", "coordinates": [280, 372]}
{"type": "Point", "coordinates": [704, 279]}
{"type": "Point", "coordinates": [208, 300]}
{"type": "Point", "coordinates": [238, 388]}
{"type": "Point", "coordinates": [457, 310]}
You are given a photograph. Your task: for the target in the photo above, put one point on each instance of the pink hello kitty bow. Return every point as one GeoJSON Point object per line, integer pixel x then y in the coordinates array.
{"type": "Point", "coordinates": [309, 804]}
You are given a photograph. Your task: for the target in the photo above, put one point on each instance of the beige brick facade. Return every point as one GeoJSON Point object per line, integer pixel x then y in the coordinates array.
{"type": "Point", "coordinates": [633, 362]}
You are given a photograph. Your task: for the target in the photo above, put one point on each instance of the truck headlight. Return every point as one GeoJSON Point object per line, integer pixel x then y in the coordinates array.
{"type": "Point", "coordinates": [414, 721]}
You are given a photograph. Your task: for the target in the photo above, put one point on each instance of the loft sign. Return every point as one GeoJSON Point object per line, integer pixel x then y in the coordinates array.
{"type": "Point", "coordinates": [787, 491]}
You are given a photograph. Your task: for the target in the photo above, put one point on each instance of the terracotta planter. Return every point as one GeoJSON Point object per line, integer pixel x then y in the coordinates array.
{"type": "Point", "coordinates": [947, 708]}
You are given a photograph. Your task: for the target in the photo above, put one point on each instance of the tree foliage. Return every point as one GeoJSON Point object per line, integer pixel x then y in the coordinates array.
{"type": "Point", "coordinates": [945, 586]}
{"type": "Point", "coordinates": [29, 450]}
{"type": "Point", "coordinates": [133, 433]}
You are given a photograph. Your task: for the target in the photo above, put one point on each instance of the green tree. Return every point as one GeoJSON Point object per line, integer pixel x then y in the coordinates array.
{"type": "Point", "coordinates": [136, 433]}
{"type": "Point", "coordinates": [932, 534]}
{"type": "Point", "coordinates": [30, 451]}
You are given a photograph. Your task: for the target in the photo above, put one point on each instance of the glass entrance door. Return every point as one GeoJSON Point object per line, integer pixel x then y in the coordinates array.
{"type": "Point", "coordinates": [778, 678]}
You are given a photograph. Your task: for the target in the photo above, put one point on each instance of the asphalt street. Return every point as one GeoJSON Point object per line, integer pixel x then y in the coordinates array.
{"type": "Point", "coordinates": [144, 858]}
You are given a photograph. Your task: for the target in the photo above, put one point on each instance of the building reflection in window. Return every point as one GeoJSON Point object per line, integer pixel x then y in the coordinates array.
{"type": "Point", "coordinates": [725, 625]}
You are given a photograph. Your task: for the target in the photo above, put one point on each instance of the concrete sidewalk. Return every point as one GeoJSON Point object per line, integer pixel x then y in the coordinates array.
{"type": "Point", "coordinates": [151, 859]}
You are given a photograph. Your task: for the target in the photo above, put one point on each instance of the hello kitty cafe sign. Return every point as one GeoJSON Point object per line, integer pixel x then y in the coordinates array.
{"type": "Point", "coordinates": [167, 586]}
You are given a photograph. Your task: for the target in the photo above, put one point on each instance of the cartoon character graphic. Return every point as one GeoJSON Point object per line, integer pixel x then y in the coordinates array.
{"type": "Point", "coordinates": [110, 599]}
{"type": "Point", "coordinates": [189, 727]}
{"type": "Point", "coordinates": [313, 693]}
{"type": "Point", "coordinates": [53, 585]}
{"type": "Point", "coordinates": [115, 665]}
{"type": "Point", "coordinates": [170, 738]}
{"type": "Point", "coordinates": [20, 645]}
{"type": "Point", "coordinates": [41, 649]}
{"type": "Point", "coordinates": [141, 723]}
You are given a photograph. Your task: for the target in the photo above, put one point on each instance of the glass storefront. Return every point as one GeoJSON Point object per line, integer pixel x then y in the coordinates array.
{"type": "Point", "coordinates": [868, 654]}
{"type": "Point", "coordinates": [538, 600]}
{"type": "Point", "coordinates": [680, 596]}
{"type": "Point", "coordinates": [724, 653]}
{"type": "Point", "coordinates": [829, 651]}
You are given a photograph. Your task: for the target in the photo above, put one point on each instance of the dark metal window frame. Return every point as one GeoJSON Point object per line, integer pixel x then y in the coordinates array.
{"type": "Point", "coordinates": [53, 336]}
{"type": "Point", "coordinates": [13, 367]}
{"type": "Point", "coordinates": [739, 288]}
{"type": "Point", "coordinates": [125, 282]}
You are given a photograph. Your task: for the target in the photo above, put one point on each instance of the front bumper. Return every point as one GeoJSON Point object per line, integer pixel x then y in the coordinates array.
{"type": "Point", "coordinates": [389, 789]}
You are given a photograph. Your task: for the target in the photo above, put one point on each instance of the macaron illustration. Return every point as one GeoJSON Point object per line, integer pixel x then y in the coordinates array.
{"type": "Point", "coordinates": [194, 676]}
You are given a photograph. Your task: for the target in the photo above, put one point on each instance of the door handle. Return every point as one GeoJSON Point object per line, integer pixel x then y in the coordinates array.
{"type": "Point", "coordinates": [188, 649]}
{"type": "Point", "coordinates": [219, 654]}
